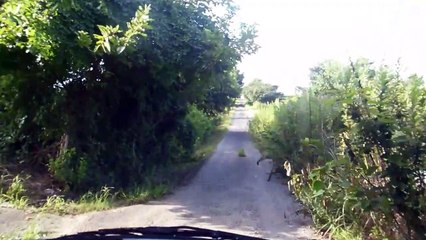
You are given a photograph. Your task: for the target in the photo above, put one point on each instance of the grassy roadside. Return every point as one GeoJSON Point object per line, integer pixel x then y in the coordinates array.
{"type": "Point", "coordinates": [30, 233]}
{"type": "Point", "coordinates": [187, 171]}
{"type": "Point", "coordinates": [159, 183]}
{"type": "Point", "coordinates": [207, 147]}
{"type": "Point", "coordinates": [265, 114]}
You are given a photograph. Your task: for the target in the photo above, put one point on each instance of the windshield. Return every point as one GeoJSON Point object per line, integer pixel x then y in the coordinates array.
{"type": "Point", "coordinates": [235, 119]}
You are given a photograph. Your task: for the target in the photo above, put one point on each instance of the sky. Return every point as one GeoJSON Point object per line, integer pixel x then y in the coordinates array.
{"type": "Point", "coordinates": [296, 35]}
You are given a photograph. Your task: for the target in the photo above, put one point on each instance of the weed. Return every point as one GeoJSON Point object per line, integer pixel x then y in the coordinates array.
{"type": "Point", "coordinates": [31, 233]}
{"type": "Point", "coordinates": [345, 234]}
{"type": "Point", "coordinates": [159, 190]}
{"type": "Point", "coordinates": [355, 141]}
{"type": "Point", "coordinates": [90, 201]}
{"type": "Point", "coordinates": [242, 153]}
{"type": "Point", "coordinates": [104, 199]}
{"type": "Point", "coordinates": [99, 201]}
{"type": "Point", "coordinates": [15, 194]}
{"type": "Point", "coordinates": [142, 194]}
{"type": "Point", "coordinates": [55, 204]}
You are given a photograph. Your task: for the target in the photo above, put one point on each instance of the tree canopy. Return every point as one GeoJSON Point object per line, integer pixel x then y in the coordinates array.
{"type": "Point", "coordinates": [258, 91]}
{"type": "Point", "coordinates": [98, 90]}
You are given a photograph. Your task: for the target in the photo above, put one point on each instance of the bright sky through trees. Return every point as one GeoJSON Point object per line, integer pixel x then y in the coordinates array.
{"type": "Point", "coordinates": [297, 34]}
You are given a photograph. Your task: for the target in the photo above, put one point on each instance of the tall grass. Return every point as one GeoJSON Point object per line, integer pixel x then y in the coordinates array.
{"type": "Point", "coordinates": [102, 200]}
{"type": "Point", "coordinates": [142, 194]}
{"type": "Point", "coordinates": [15, 194]}
{"type": "Point", "coordinates": [356, 140]}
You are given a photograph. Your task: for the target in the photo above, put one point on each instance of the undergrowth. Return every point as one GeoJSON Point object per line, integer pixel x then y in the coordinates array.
{"type": "Point", "coordinates": [208, 145]}
{"type": "Point", "coordinates": [32, 232]}
{"type": "Point", "coordinates": [15, 193]}
{"type": "Point", "coordinates": [102, 200]}
{"type": "Point", "coordinates": [158, 182]}
{"type": "Point", "coordinates": [145, 193]}
{"type": "Point", "coordinates": [356, 141]}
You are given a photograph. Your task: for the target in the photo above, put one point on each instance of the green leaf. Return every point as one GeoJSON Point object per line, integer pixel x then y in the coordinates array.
{"type": "Point", "coordinates": [84, 39]}
{"type": "Point", "coordinates": [107, 46]}
{"type": "Point", "coordinates": [121, 49]}
{"type": "Point", "coordinates": [345, 183]}
{"type": "Point", "coordinates": [318, 193]}
{"type": "Point", "coordinates": [104, 31]}
{"type": "Point", "coordinates": [318, 185]}
{"type": "Point", "coordinates": [371, 170]}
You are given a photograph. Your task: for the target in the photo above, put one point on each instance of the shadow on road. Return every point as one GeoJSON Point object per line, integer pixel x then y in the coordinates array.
{"type": "Point", "coordinates": [231, 193]}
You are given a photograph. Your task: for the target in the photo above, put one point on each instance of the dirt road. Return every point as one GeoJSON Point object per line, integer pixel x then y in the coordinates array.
{"type": "Point", "coordinates": [229, 193]}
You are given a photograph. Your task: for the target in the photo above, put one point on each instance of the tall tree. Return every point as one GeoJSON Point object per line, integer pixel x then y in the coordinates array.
{"type": "Point", "coordinates": [98, 90]}
{"type": "Point", "coordinates": [257, 90]}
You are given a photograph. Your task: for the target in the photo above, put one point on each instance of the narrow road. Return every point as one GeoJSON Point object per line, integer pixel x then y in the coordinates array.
{"type": "Point", "coordinates": [229, 193]}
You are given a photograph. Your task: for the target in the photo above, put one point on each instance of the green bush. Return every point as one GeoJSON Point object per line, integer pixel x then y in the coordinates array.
{"type": "Point", "coordinates": [69, 168]}
{"type": "Point", "coordinates": [258, 91]}
{"type": "Point", "coordinates": [100, 90]}
{"type": "Point", "coordinates": [357, 142]}
{"type": "Point", "coordinates": [201, 123]}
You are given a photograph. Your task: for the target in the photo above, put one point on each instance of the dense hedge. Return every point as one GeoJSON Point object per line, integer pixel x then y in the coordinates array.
{"type": "Point", "coordinates": [356, 139]}
{"type": "Point", "coordinates": [98, 92]}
